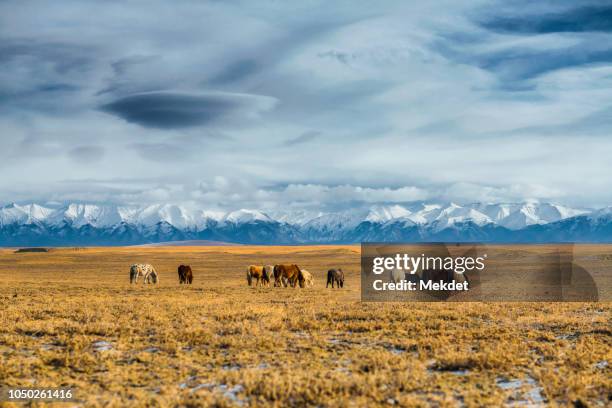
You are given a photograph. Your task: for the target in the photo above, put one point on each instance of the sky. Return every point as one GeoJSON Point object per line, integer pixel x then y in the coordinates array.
{"type": "Point", "coordinates": [305, 104]}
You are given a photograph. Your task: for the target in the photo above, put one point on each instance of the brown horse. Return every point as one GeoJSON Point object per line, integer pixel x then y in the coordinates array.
{"type": "Point", "coordinates": [185, 274]}
{"type": "Point", "coordinates": [290, 274]}
{"type": "Point", "coordinates": [256, 272]}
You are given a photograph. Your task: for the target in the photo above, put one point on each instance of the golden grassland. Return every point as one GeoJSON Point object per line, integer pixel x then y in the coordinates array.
{"type": "Point", "coordinates": [70, 318]}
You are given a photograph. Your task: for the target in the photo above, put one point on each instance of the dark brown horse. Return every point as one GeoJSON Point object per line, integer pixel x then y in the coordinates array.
{"type": "Point", "coordinates": [185, 274]}
{"type": "Point", "coordinates": [335, 276]}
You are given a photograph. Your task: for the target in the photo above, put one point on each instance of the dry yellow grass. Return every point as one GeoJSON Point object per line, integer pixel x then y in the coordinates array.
{"type": "Point", "coordinates": [70, 318]}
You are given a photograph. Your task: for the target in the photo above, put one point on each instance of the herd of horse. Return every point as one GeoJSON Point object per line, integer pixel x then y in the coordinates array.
{"type": "Point", "coordinates": [284, 275]}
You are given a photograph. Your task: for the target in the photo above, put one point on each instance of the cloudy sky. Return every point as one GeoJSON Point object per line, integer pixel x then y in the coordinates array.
{"type": "Point", "coordinates": [268, 104]}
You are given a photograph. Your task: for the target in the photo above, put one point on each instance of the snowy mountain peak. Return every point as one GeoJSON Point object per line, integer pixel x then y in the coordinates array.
{"type": "Point", "coordinates": [296, 217]}
{"type": "Point", "coordinates": [604, 214]}
{"type": "Point", "coordinates": [385, 213]}
{"type": "Point", "coordinates": [174, 215]}
{"type": "Point", "coordinates": [513, 216]}
{"type": "Point", "coordinates": [247, 216]}
{"type": "Point", "coordinates": [431, 207]}
{"type": "Point", "coordinates": [79, 215]}
{"type": "Point", "coordinates": [23, 214]}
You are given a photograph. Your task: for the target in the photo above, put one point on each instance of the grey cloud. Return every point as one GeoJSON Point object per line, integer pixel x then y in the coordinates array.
{"type": "Point", "coordinates": [235, 72]}
{"type": "Point", "coordinates": [258, 62]}
{"type": "Point", "coordinates": [63, 58]}
{"type": "Point", "coordinates": [596, 17]}
{"type": "Point", "coordinates": [45, 76]}
{"type": "Point", "coordinates": [522, 64]}
{"type": "Point", "coordinates": [122, 65]}
{"type": "Point", "coordinates": [596, 124]}
{"type": "Point", "coordinates": [342, 57]}
{"type": "Point", "coordinates": [232, 193]}
{"type": "Point", "coordinates": [175, 110]}
{"type": "Point", "coordinates": [424, 94]}
{"type": "Point", "coordinates": [517, 63]}
{"type": "Point", "coordinates": [303, 138]}
{"type": "Point", "coordinates": [37, 146]}
{"type": "Point", "coordinates": [522, 40]}
{"type": "Point", "coordinates": [87, 154]}
{"type": "Point", "coordinates": [161, 151]}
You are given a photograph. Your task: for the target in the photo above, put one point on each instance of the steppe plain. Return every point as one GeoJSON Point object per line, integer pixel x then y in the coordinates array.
{"type": "Point", "coordinates": [69, 318]}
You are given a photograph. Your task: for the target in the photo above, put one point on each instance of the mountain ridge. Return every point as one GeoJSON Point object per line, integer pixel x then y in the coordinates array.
{"type": "Point", "coordinates": [106, 224]}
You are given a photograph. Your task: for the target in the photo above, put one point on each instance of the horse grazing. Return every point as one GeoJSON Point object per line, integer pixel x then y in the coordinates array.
{"type": "Point", "coordinates": [257, 274]}
{"type": "Point", "coordinates": [287, 274]}
{"type": "Point", "coordinates": [147, 271]}
{"type": "Point", "coordinates": [268, 274]}
{"type": "Point", "coordinates": [335, 276]}
{"type": "Point", "coordinates": [306, 279]}
{"type": "Point", "coordinates": [185, 274]}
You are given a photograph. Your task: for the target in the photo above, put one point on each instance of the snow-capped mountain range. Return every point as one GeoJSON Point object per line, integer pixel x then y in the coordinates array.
{"type": "Point", "coordinates": [93, 224]}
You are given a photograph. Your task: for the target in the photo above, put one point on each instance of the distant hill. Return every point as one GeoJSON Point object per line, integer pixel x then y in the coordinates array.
{"type": "Point", "coordinates": [36, 249]}
{"type": "Point", "coordinates": [190, 243]}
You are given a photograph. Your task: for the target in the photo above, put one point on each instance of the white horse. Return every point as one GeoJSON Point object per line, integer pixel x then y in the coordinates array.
{"type": "Point", "coordinates": [147, 271]}
{"type": "Point", "coordinates": [307, 280]}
